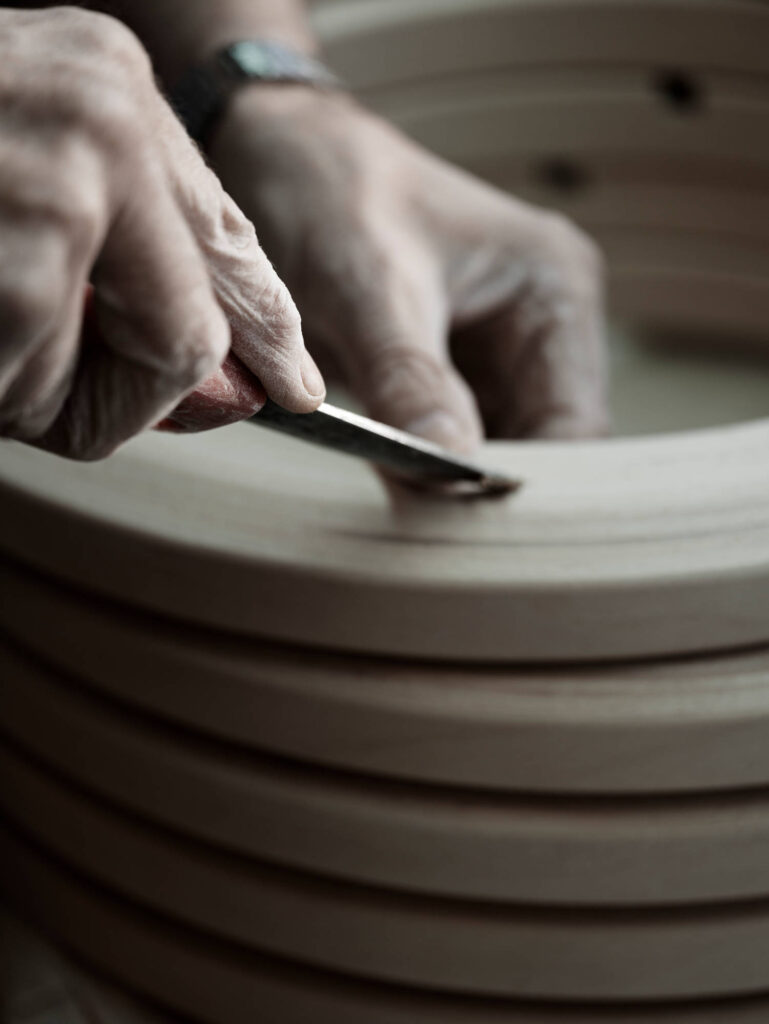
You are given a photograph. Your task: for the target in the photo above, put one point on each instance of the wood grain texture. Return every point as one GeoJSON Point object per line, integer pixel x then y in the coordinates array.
{"type": "Point", "coordinates": [492, 128]}
{"type": "Point", "coordinates": [444, 945]}
{"type": "Point", "coordinates": [695, 724]}
{"type": "Point", "coordinates": [221, 983]}
{"type": "Point", "coordinates": [627, 196]}
{"type": "Point", "coordinates": [669, 95]}
{"type": "Point", "coordinates": [72, 994]}
{"type": "Point", "coordinates": [375, 42]}
{"type": "Point", "coordinates": [612, 549]}
{"type": "Point", "coordinates": [505, 848]}
{"type": "Point", "coordinates": [415, 826]}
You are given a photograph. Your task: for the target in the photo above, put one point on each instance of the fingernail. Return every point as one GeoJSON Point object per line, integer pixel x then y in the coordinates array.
{"type": "Point", "coordinates": [312, 378]}
{"type": "Point", "coordinates": [444, 429]}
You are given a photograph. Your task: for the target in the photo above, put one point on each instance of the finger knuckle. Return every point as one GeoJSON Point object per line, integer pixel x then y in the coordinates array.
{"type": "Point", "coordinates": [75, 206]}
{"type": "Point", "coordinates": [589, 255]}
{"type": "Point", "coordinates": [572, 257]}
{"type": "Point", "coordinates": [115, 116]}
{"type": "Point", "coordinates": [101, 111]}
{"type": "Point", "coordinates": [218, 222]}
{"type": "Point", "coordinates": [107, 39]}
{"type": "Point", "coordinates": [279, 314]}
{"type": "Point", "coordinates": [27, 307]}
{"type": "Point", "coordinates": [71, 23]}
{"type": "Point", "coordinates": [570, 242]}
{"type": "Point", "coordinates": [401, 368]}
{"type": "Point", "coordinates": [204, 350]}
{"type": "Point", "coordinates": [109, 76]}
{"type": "Point", "coordinates": [81, 217]}
{"type": "Point", "coordinates": [60, 201]}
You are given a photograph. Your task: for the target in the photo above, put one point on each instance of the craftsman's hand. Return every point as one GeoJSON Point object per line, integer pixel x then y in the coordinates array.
{"type": "Point", "coordinates": [442, 302]}
{"type": "Point", "coordinates": [99, 182]}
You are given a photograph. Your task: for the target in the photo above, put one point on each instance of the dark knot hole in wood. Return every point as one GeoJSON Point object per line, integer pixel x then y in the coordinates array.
{"type": "Point", "coordinates": [679, 90]}
{"type": "Point", "coordinates": [562, 174]}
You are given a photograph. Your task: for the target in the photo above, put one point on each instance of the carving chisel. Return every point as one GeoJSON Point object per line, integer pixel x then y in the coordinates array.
{"type": "Point", "coordinates": [418, 462]}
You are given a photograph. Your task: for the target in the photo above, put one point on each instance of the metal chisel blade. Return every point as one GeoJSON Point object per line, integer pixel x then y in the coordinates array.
{"type": "Point", "coordinates": [420, 462]}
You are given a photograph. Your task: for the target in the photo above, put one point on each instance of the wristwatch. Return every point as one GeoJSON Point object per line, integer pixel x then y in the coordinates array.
{"type": "Point", "coordinates": [201, 95]}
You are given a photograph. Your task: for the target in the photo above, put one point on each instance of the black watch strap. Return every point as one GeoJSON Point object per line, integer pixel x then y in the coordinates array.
{"type": "Point", "coordinates": [202, 92]}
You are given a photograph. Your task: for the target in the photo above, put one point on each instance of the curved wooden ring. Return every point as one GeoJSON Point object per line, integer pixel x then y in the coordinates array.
{"type": "Point", "coordinates": [370, 43]}
{"type": "Point", "coordinates": [661, 953]}
{"type": "Point", "coordinates": [543, 87]}
{"type": "Point", "coordinates": [658, 298]}
{"type": "Point", "coordinates": [494, 128]}
{"type": "Point", "coordinates": [612, 549]}
{"type": "Point", "coordinates": [503, 847]}
{"type": "Point", "coordinates": [661, 727]}
{"type": "Point", "coordinates": [220, 982]}
{"type": "Point", "coordinates": [621, 201]}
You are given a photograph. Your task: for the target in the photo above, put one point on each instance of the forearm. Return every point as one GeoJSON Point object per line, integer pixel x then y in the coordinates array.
{"type": "Point", "coordinates": [179, 32]}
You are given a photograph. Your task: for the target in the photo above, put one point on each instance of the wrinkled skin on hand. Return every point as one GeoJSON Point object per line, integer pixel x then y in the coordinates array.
{"type": "Point", "coordinates": [445, 305]}
{"type": "Point", "coordinates": [98, 182]}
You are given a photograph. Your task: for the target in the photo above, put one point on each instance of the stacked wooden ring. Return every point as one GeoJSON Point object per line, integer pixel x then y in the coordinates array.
{"type": "Point", "coordinates": [275, 747]}
{"type": "Point", "coordinates": [646, 122]}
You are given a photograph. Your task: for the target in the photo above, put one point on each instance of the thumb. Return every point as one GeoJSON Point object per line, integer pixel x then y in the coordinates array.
{"type": "Point", "coordinates": [398, 366]}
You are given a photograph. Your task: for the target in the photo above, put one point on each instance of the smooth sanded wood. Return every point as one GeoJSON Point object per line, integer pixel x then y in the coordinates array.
{"type": "Point", "coordinates": [689, 600]}
{"type": "Point", "coordinates": [377, 42]}
{"type": "Point", "coordinates": [110, 1003]}
{"type": "Point", "coordinates": [676, 94]}
{"type": "Point", "coordinates": [440, 944]}
{"type": "Point", "coordinates": [732, 311]}
{"type": "Point", "coordinates": [493, 127]}
{"type": "Point", "coordinates": [693, 724]}
{"type": "Point", "coordinates": [219, 983]}
{"type": "Point", "coordinates": [424, 840]}
{"type": "Point", "coordinates": [612, 549]}
{"type": "Point", "coordinates": [624, 198]}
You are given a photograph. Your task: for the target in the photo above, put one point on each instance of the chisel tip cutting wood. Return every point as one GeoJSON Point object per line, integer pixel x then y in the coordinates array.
{"type": "Point", "coordinates": [418, 462]}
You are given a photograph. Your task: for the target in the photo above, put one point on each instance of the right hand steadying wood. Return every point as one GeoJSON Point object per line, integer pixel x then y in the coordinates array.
{"type": "Point", "coordinates": [99, 182]}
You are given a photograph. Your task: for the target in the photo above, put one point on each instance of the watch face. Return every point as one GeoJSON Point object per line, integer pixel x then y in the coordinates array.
{"type": "Point", "coordinates": [254, 59]}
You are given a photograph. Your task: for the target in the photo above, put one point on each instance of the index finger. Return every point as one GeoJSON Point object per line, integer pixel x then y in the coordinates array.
{"type": "Point", "coordinates": [537, 360]}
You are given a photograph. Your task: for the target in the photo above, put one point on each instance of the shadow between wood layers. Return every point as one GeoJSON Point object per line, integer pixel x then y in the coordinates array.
{"type": "Point", "coordinates": [423, 839]}
{"type": "Point", "coordinates": [665, 726]}
{"type": "Point", "coordinates": [220, 983]}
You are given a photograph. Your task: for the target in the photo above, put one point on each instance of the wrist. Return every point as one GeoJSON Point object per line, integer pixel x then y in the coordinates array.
{"type": "Point", "coordinates": [261, 102]}
{"type": "Point", "coordinates": [202, 28]}
{"type": "Point", "coordinates": [260, 115]}
{"type": "Point", "coordinates": [204, 94]}
{"type": "Point", "coordinates": [213, 34]}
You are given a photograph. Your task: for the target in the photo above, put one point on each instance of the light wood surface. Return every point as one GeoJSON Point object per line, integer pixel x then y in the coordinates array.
{"type": "Point", "coordinates": [71, 995]}
{"type": "Point", "coordinates": [626, 197]}
{"type": "Point", "coordinates": [279, 748]}
{"type": "Point", "coordinates": [694, 724]}
{"type": "Point", "coordinates": [595, 107]}
{"type": "Point", "coordinates": [439, 944]}
{"type": "Point", "coordinates": [618, 550]}
{"type": "Point", "coordinates": [219, 982]}
{"type": "Point", "coordinates": [378, 42]}
{"type": "Point", "coordinates": [612, 549]}
{"type": "Point", "coordinates": [355, 829]}
{"type": "Point", "coordinates": [491, 128]}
